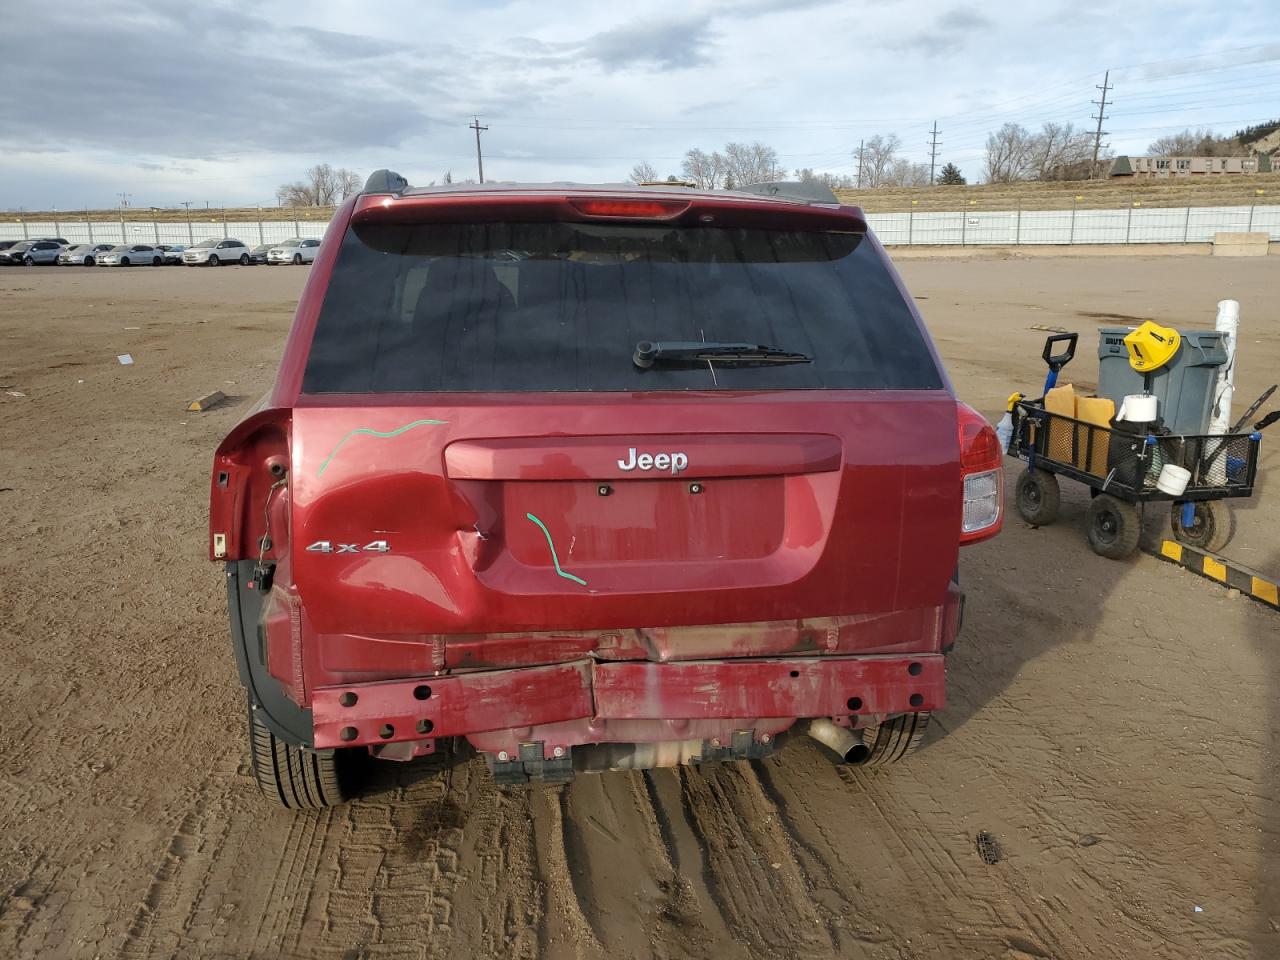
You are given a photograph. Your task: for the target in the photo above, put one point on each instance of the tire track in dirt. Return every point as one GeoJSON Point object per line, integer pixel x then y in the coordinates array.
{"type": "Point", "coordinates": [630, 891]}
{"type": "Point", "coordinates": [377, 876]}
{"type": "Point", "coordinates": [751, 872]}
{"type": "Point", "coordinates": [499, 898]}
{"type": "Point", "coordinates": [566, 932]}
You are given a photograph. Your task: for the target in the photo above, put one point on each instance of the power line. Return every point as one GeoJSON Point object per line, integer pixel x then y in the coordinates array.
{"type": "Point", "coordinates": [933, 152]}
{"type": "Point", "coordinates": [475, 125]}
{"type": "Point", "coordinates": [1102, 107]}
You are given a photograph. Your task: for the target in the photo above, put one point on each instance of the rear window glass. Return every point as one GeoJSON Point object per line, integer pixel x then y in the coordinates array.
{"type": "Point", "coordinates": [561, 307]}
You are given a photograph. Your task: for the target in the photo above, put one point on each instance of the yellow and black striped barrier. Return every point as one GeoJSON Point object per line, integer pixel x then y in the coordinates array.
{"type": "Point", "coordinates": [1226, 572]}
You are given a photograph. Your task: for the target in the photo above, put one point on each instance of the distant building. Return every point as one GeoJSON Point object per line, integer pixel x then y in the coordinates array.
{"type": "Point", "coordinates": [1148, 167]}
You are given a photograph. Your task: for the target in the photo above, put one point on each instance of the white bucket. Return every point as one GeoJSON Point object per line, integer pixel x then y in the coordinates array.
{"type": "Point", "coordinates": [1138, 408]}
{"type": "Point", "coordinates": [1173, 480]}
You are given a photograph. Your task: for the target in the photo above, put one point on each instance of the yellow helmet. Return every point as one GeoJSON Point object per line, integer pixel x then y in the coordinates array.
{"type": "Point", "coordinates": [1151, 346]}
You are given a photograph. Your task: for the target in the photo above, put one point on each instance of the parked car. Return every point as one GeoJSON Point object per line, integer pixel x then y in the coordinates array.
{"type": "Point", "coordinates": [214, 252]}
{"type": "Point", "coordinates": [83, 254]}
{"type": "Point", "coordinates": [131, 255]}
{"type": "Point", "coordinates": [294, 251]}
{"type": "Point", "coordinates": [746, 523]}
{"type": "Point", "coordinates": [173, 252]}
{"type": "Point", "coordinates": [31, 253]}
{"type": "Point", "coordinates": [259, 253]}
{"type": "Point", "coordinates": [5, 246]}
{"type": "Point", "coordinates": [13, 252]}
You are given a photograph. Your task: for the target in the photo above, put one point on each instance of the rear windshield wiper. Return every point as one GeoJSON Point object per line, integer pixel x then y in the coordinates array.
{"type": "Point", "coordinates": [648, 353]}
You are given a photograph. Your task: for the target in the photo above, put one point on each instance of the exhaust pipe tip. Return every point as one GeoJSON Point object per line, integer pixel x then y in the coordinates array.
{"type": "Point", "coordinates": [842, 741]}
{"type": "Point", "coordinates": [858, 754]}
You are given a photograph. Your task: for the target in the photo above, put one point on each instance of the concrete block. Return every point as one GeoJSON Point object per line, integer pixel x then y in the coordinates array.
{"type": "Point", "coordinates": [1241, 244]}
{"type": "Point", "coordinates": [201, 404]}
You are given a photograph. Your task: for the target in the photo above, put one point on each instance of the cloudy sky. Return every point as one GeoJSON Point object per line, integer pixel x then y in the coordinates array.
{"type": "Point", "coordinates": [221, 102]}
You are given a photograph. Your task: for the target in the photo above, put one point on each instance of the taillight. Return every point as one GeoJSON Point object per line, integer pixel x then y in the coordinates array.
{"type": "Point", "coordinates": [982, 475]}
{"type": "Point", "coordinates": [629, 209]}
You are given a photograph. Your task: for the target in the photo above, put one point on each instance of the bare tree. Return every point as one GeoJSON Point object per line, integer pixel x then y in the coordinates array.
{"type": "Point", "coordinates": [1058, 151]}
{"type": "Point", "coordinates": [324, 187]}
{"type": "Point", "coordinates": [1009, 154]}
{"type": "Point", "coordinates": [751, 163]}
{"type": "Point", "coordinates": [1188, 143]}
{"type": "Point", "coordinates": [643, 173]}
{"type": "Point", "coordinates": [706, 170]}
{"type": "Point", "coordinates": [834, 181]}
{"type": "Point", "coordinates": [878, 157]}
{"type": "Point", "coordinates": [904, 173]}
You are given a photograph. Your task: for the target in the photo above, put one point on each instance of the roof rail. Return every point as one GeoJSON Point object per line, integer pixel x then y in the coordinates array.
{"type": "Point", "coordinates": [809, 191]}
{"type": "Point", "coordinates": [385, 181]}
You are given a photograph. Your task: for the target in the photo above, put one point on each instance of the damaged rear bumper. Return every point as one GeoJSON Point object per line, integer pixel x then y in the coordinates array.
{"type": "Point", "coordinates": [586, 701]}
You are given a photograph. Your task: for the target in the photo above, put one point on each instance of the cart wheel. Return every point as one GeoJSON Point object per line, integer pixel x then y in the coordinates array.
{"type": "Point", "coordinates": [1211, 528]}
{"type": "Point", "coordinates": [1037, 497]}
{"type": "Point", "coordinates": [1113, 526]}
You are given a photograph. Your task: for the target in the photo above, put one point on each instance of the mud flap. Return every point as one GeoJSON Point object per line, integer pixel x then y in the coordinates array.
{"type": "Point", "coordinates": [531, 767]}
{"type": "Point", "coordinates": [267, 700]}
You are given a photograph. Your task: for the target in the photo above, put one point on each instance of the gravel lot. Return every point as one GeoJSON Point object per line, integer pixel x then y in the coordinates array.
{"type": "Point", "coordinates": [1115, 726]}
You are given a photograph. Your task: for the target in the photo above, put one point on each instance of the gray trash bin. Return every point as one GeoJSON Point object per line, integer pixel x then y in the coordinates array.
{"type": "Point", "coordinates": [1184, 385]}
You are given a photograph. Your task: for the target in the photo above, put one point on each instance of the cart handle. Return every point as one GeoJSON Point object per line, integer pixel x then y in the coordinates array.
{"type": "Point", "coordinates": [1057, 361]}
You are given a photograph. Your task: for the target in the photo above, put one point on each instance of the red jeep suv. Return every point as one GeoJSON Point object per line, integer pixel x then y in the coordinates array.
{"type": "Point", "coordinates": [596, 478]}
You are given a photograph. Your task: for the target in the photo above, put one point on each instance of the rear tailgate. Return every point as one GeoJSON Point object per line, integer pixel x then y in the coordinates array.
{"type": "Point", "coordinates": [471, 517]}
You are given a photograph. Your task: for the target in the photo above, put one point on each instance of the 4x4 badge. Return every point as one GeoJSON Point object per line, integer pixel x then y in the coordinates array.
{"type": "Point", "coordinates": [325, 546]}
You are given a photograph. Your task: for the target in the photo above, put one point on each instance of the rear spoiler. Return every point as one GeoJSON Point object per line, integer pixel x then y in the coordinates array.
{"type": "Point", "coordinates": [779, 205]}
{"type": "Point", "coordinates": [707, 211]}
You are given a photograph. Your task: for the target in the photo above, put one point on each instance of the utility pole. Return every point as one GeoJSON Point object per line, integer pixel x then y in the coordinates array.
{"type": "Point", "coordinates": [861, 145]}
{"type": "Point", "coordinates": [475, 125]}
{"type": "Point", "coordinates": [1102, 115]}
{"type": "Point", "coordinates": [124, 199]}
{"type": "Point", "coordinates": [933, 152]}
{"type": "Point", "coordinates": [191, 237]}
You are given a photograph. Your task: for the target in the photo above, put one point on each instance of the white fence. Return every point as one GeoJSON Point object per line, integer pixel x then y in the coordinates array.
{"type": "Point", "coordinates": [1127, 225]}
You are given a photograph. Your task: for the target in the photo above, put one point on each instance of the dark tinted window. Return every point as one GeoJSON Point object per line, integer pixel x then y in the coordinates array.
{"type": "Point", "coordinates": [560, 307]}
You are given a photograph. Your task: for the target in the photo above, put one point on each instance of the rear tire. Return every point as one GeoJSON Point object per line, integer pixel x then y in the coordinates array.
{"type": "Point", "coordinates": [244, 259]}
{"type": "Point", "coordinates": [297, 259]}
{"type": "Point", "coordinates": [124, 262]}
{"type": "Point", "coordinates": [1211, 529]}
{"type": "Point", "coordinates": [156, 261]}
{"type": "Point", "coordinates": [1037, 497]}
{"type": "Point", "coordinates": [892, 740]}
{"type": "Point", "coordinates": [1113, 526]}
{"type": "Point", "coordinates": [89, 261]}
{"type": "Point", "coordinates": [296, 778]}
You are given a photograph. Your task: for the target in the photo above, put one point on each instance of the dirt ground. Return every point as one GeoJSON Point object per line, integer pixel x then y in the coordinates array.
{"type": "Point", "coordinates": [1114, 725]}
